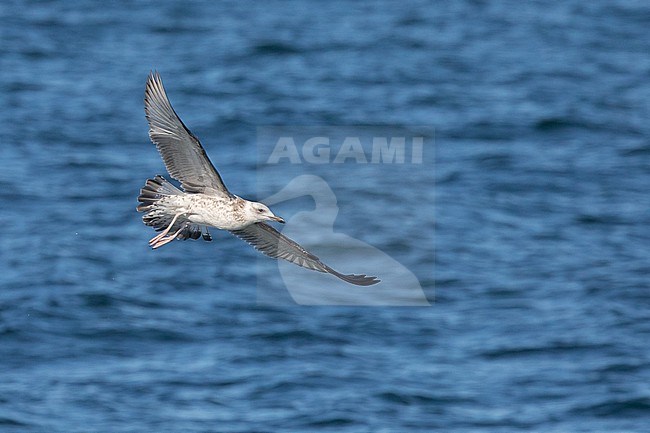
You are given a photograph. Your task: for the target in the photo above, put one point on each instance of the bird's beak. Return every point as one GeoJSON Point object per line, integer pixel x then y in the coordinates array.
{"type": "Point", "coordinates": [277, 218]}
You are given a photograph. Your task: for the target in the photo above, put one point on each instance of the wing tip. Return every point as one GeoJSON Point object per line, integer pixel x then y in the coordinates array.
{"type": "Point", "coordinates": [154, 75]}
{"type": "Point", "coordinates": [359, 279]}
{"type": "Point", "coordinates": [154, 85]}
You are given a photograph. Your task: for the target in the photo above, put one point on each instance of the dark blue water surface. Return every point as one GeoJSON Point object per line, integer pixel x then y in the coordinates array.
{"type": "Point", "coordinates": [530, 217]}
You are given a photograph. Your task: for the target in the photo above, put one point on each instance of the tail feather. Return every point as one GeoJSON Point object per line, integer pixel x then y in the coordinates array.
{"type": "Point", "coordinates": [153, 190]}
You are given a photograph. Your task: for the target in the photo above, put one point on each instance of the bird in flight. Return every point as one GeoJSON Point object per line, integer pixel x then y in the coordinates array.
{"type": "Point", "coordinates": [204, 200]}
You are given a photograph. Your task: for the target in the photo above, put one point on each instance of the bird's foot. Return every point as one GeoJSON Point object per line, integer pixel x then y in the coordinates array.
{"type": "Point", "coordinates": [163, 235]}
{"type": "Point", "coordinates": [158, 242]}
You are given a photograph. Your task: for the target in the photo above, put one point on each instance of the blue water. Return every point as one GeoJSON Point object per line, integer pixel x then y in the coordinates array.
{"type": "Point", "coordinates": [527, 225]}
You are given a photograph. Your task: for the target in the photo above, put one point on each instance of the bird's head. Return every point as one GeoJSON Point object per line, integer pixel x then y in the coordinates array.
{"type": "Point", "coordinates": [260, 212]}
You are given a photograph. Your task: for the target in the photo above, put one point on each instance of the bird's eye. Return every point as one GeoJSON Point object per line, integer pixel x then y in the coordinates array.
{"type": "Point", "coordinates": [260, 210]}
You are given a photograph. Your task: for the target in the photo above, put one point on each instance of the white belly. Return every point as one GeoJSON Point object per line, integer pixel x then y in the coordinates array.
{"type": "Point", "coordinates": [206, 210]}
{"type": "Point", "coordinates": [215, 212]}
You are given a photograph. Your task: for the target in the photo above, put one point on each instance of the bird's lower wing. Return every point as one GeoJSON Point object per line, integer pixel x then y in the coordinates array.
{"type": "Point", "coordinates": [274, 244]}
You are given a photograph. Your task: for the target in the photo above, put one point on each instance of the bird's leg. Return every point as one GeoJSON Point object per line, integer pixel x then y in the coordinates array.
{"type": "Point", "coordinates": [163, 241]}
{"type": "Point", "coordinates": [162, 234]}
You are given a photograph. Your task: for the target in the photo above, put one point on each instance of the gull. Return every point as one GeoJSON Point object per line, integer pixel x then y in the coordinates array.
{"type": "Point", "coordinates": [204, 200]}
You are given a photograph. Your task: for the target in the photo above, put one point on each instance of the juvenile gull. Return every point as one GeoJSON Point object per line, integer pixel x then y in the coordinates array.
{"type": "Point", "coordinates": [204, 200]}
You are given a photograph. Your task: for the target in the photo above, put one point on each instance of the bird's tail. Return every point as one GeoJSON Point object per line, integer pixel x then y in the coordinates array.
{"type": "Point", "coordinates": [154, 190]}
{"type": "Point", "coordinates": [158, 216]}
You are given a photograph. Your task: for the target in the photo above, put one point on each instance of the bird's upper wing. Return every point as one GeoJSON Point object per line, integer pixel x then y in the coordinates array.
{"type": "Point", "coordinates": [274, 244]}
{"type": "Point", "coordinates": [184, 157]}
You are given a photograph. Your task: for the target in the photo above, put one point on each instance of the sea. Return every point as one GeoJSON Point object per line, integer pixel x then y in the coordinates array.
{"type": "Point", "coordinates": [489, 161]}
